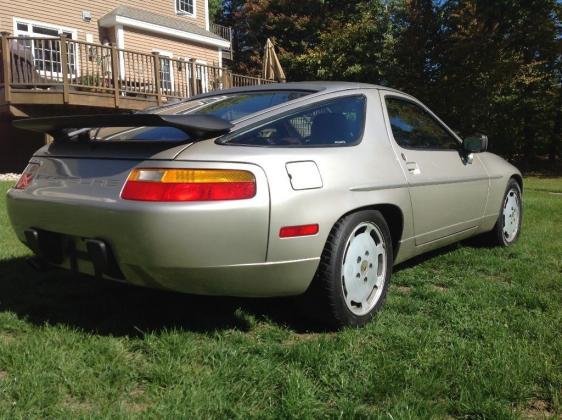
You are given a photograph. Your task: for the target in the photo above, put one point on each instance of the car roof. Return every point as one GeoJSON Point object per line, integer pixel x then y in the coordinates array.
{"type": "Point", "coordinates": [313, 86]}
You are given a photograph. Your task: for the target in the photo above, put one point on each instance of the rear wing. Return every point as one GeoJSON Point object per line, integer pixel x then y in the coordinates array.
{"type": "Point", "coordinates": [198, 127]}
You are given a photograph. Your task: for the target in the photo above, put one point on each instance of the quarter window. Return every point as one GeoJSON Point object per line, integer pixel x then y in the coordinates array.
{"type": "Point", "coordinates": [337, 122]}
{"type": "Point", "coordinates": [185, 6]}
{"type": "Point", "coordinates": [414, 128]}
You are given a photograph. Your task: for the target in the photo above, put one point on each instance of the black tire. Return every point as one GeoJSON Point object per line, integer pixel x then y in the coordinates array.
{"type": "Point", "coordinates": [326, 298]}
{"type": "Point", "coordinates": [497, 236]}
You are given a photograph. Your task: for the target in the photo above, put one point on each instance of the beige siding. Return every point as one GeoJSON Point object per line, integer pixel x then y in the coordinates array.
{"type": "Point", "coordinates": [143, 41]}
{"type": "Point", "coordinates": [68, 13]}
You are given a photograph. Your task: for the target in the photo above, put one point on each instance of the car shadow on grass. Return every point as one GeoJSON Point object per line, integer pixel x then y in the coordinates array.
{"type": "Point", "coordinates": [110, 308]}
{"type": "Point", "coordinates": [476, 242]}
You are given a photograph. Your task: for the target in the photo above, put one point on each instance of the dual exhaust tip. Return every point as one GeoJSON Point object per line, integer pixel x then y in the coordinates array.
{"type": "Point", "coordinates": [51, 249]}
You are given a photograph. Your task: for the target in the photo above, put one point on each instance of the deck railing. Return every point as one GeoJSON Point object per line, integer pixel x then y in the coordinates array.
{"type": "Point", "coordinates": [225, 32]}
{"type": "Point", "coordinates": [75, 69]}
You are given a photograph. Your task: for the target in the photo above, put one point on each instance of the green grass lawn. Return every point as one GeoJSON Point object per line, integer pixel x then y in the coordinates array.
{"type": "Point", "coordinates": [466, 332]}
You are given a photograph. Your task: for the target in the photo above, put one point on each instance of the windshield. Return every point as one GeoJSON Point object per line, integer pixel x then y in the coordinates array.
{"type": "Point", "coordinates": [230, 107]}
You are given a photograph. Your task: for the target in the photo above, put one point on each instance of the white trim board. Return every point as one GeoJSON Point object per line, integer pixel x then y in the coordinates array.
{"type": "Point", "coordinates": [207, 25]}
{"type": "Point", "coordinates": [53, 26]}
{"type": "Point", "coordinates": [175, 33]}
{"type": "Point", "coordinates": [120, 40]}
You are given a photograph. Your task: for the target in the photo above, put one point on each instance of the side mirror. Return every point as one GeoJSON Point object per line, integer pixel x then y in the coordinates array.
{"type": "Point", "coordinates": [475, 144]}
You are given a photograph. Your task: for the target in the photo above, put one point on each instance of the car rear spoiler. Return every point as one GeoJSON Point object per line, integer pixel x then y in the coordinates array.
{"type": "Point", "coordinates": [199, 127]}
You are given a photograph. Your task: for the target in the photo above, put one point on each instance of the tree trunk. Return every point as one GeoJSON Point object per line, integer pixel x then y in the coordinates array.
{"type": "Point", "coordinates": [556, 137]}
{"type": "Point", "coordinates": [528, 142]}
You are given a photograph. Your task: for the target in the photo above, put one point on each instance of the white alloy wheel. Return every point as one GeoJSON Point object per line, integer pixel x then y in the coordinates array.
{"type": "Point", "coordinates": [511, 215]}
{"type": "Point", "coordinates": [364, 267]}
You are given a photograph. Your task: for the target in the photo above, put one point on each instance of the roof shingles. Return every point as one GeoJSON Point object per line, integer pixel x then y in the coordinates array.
{"type": "Point", "coordinates": [160, 20]}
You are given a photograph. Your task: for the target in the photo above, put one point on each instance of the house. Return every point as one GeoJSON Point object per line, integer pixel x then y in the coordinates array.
{"type": "Point", "coordinates": [76, 56]}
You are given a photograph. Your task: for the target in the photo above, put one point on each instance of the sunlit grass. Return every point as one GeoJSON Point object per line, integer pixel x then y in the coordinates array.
{"type": "Point", "coordinates": [466, 332]}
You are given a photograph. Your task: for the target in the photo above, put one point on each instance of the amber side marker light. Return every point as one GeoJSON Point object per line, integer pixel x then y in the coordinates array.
{"type": "Point", "coordinates": [294, 231]}
{"type": "Point", "coordinates": [160, 184]}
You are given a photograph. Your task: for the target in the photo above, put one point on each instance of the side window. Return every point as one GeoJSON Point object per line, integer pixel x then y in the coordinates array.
{"type": "Point", "coordinates": [414, 128]}
{"type": "Point", "coordinates": [333, 123]}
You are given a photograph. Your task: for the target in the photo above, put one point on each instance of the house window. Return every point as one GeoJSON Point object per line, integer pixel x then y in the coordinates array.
{"type": "Point", "coordinates": [185, 7]}
{"type": "Point", "coordinates": [44, 46]}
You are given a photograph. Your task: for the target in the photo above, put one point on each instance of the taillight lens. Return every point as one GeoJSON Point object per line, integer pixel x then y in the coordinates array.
{"type": "Point", "coordinates": [27, 176]}
{"type": "Point", "coordinates": [159, 184]}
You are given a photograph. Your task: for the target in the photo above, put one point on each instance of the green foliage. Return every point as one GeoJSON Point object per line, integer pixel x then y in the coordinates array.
{"type": "Point", "coordinates": [493, 67]}
{"type": "Point", "coordinates": [502, 63]}
{"type": "Point", "coordinates": [215, 9]}
{"type": "Point", "coordinates": [91, 80]}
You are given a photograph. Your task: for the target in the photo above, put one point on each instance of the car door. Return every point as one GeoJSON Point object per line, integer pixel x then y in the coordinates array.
{"type": "Point", "coordinates": [448, 189]}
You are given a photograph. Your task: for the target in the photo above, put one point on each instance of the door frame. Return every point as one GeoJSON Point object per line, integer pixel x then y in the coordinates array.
{"type": "Point", "coordinates": [400, 155]}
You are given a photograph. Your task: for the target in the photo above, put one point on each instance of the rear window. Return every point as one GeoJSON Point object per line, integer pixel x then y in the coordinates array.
{"type": "Point", "coordinates": [229, 107]}
{"type": "Point", "coordinates": [336, 122]}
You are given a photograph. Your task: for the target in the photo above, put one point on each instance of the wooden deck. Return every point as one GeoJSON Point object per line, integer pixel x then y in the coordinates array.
{"type": "Point", "coordinates": [59, 71]}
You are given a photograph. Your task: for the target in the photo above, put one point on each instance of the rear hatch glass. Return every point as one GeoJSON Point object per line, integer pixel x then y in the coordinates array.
{"type": "Point", "coordinates": [229, 107]}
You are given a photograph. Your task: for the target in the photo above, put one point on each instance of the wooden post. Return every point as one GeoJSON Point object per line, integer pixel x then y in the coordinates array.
{"type": "Point", "coordinates": [226, 79]}
{"type": "Point", "coordinates": [259, 80]}
{"type": "Point", "coordinates": [6, 66]}
{"type": "Point", "coordinates": [157, 81]}
{"type": "Point", "coordinates": [182, 68]}
{"type": "Point", "coordinates": [115, 76]}
{"type": "Point", "coordinates": [230, 38]}
{"type": "Point", "coordinates": [64, 69]}
{"type": "Point", "coordinates": [193, 77]}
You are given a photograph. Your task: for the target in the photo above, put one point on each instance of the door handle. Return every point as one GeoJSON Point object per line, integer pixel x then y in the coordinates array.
{"type": "Point", "coordinates": [413, 168]}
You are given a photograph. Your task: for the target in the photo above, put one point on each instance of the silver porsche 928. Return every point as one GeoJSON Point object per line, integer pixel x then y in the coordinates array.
{"type": "Point", "coordinates": [262, 191]}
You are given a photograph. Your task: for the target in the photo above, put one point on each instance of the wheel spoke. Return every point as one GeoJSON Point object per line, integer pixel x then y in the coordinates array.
{"type": "Point", "coordinates": [348, 273]}
{"type": "Point", "coordinates": [350, 302]}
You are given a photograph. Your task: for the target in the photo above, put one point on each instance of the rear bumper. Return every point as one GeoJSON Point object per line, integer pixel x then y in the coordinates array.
{"type": "Point", "coordinates": [286, 278]}
{"type": "Point", "coordinates": [204, 248]}
{"type": "Point", "coordinates": [96, 258]}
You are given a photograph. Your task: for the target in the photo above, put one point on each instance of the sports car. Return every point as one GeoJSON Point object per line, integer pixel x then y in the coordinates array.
{"type": "Point", "coordinates": [311, 188]}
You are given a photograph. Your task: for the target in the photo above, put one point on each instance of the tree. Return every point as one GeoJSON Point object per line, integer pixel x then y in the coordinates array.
{"type": "Point", "coordinates": [215, 10]}
{"type": "Point", "coordinates": [417, 34]}
{"type": "Point", "coordinates": [498, 64]}
{"type": "Point", "coordinates": [292, 26]}
{"type": "Point", "coordinates": [492, 67]}
{"type": "Point", "coordinates": [355, 47]}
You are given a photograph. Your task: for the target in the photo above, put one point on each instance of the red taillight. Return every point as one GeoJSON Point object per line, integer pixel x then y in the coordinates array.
{"type": "Point", "coordinates": [148, 184]}
{"type": "Point", "coordinates": [293, 231]}
{"type": "Point", "coordinates": [27, 176]}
